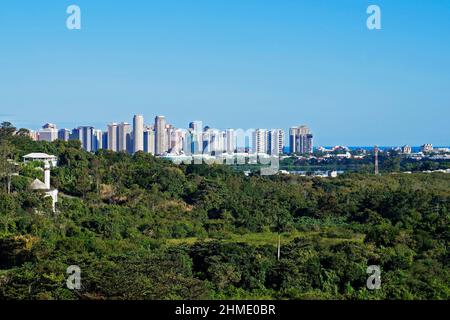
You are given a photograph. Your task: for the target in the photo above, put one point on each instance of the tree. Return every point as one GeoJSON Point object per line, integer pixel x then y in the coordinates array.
{"type": "Point", "coordinates": [6, 165]}
{"type": "Point", "coordinates": [23, 132]}
{"type": "Point", "coordinates": [391, 164]}
{"type": "Point", "coordinates": [6, 130]}
{"type": "Point", "coordinates": [98, 172]}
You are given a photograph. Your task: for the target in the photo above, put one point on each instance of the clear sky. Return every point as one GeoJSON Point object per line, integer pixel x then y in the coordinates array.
{"type": "Point", "coordinates": [232, 63]}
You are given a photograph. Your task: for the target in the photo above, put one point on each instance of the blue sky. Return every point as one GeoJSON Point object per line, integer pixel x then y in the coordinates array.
{"type": "Point", "coordinates": [232, 63]}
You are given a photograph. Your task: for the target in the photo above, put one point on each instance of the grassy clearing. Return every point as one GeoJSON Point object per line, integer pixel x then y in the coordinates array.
{"type": "Point", "coordinates": [271, 238]}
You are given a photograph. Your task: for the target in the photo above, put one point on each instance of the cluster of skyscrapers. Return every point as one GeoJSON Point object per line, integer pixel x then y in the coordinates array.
{"type": "Point", "coordinates": [161, 138]}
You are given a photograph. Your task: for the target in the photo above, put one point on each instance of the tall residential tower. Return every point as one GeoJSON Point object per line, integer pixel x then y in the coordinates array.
{"type": "Point", "coordinates": [160, 135]}
{"type": "Point", "coordinates": [300, 140]}
{"type": "Point", "coordinates": [138, 133]}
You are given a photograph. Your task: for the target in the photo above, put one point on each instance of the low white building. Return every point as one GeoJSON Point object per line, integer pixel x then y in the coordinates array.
{"type": "Point", "coordinates": [52, 160]}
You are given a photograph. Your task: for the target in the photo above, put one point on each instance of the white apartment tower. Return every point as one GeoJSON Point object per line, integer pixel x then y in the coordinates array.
{"type": "Point", "coordinates": [177, 138]}
{"type": "Point", "coordinates": [300, 140]}
{"type": "Point", "coordinates": [260, 141]}
{"type": "Point", "coordinates": [112, 136]}
{"type": "Point", "coordinates": [149, 140]}
{"type": "Point", "coordinates": [276, 141]}
{"type": "Point", "coordinates": [160, 135]}
{"type": "Point", "coordinates": [97, 140]}
{"type": "Point", "coordinates": [138, 133]}
{"type": "Point", "coordinates": [123, 131]}
{"type": "Point", "coordinates": [231, 144]}
{"type": "Point", "coordinates": [49, 132]}
{"type": "Point", "coordinates": [196, 136]}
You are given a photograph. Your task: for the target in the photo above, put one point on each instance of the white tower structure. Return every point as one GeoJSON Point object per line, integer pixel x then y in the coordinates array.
{"type": "Point", "coordinates": [47, 175]}
{"type": "Point", "coordinates": [138, 133]}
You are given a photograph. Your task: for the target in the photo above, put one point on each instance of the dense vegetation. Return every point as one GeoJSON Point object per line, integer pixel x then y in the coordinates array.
{"type": "Point", "coordinates": [143, 228]}
{"type": "Point", "coordinates": [389, 161]}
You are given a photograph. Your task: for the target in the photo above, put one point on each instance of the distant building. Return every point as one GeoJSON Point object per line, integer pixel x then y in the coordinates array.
{"type": "Point", "coordinates": [196, 126]}
{"type": "Point", "coordinates": [197, 139]}
{"type": "Point", "coordinates": [105, 140]}
{"type": "Point", "coordinates": [85, 135]}
{"type": "Point", "coordinates": [213, 141]}
{"type": "Point", "coordinates": [406, 149]}
{"type": "Point", "coordinates": [276, 141]}
{"type": "Point", "coordinates": [441, 150]}
{"type": "Point", "coordinates": [123, 136]}
{"type": "Point", "coordinates": [169, 133]}
{"type": "Point", "coordinates": [97, 140]}
{"type": "Point", "coordinates": [34, 135]}
{"type": "Point", "coordinates": [300, 140]}
{"type": "Point", "coordinates": [48, 133]}
{"type": "Point", "coordinates": [332, 174]}
{"type": "Point", "coordinates": [428, 147]}
{"type": "Point", "coordinates": [63, 134]}
{"type": "Point", "coordinates": [260, 141]}
{"type": "Point", "coordinates": [177, 137]}
{"type": "Point", "coordinates": [160, 135]}
{"type": "Point", "coordinates": [91, 139]}
{"type": "Point", "coordinates": [231, 142]}
{"type": "Point", "coordinates": [138, 133]}
{"type": "Point", "coordinates": [49, 126]}
{"type": "Point", "coordinates": [112, 139]}
{"type": "Point", "coordinates": [149, 140]}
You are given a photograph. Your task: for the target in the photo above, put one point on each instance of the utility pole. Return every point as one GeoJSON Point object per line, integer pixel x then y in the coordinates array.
{"type": "Point", "coordinates": [279, 229]}
{"type": "Point", "coordinates": [9, 182]}
{"type": "Point", "coordinates": [279, 246]}
{"type": "Point", "coordinates": [375, 149]}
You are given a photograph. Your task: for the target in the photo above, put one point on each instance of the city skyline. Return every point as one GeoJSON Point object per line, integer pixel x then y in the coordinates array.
{"type": "Point", "coordinates": [162, 138]}
{"type": "Point", "coordinates": [104, 127]}
{"type": "Point", "coordinates": [243, 65]}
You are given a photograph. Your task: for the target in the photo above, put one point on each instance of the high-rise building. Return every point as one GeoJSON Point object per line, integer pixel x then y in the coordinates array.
{"type": "Point", "coordinates": [113, 143]}
{"type": "Point", "coordinates": [149, 140]}
{"type": "Point", "coordinates": [160, 135]}
{"type": "Point", "coordinates": [85, 135]}
{"type": "Point", "coordinates": [138, 133]}
{"type": "Point", "coordinates": [63, 134]}
{"type": "Point", "coordinates": [260, 141]}
{"type": "Point", "coordinates": [214, 141]}
{"type": "Point", "coordinates": [49, 132]}
{"type": "Point", "coordinates": [75, 134]}
{"type": "Point", "coordinates": [292, 135]}
{"type": "Point", "coordinates": [34, 135]}
{"type": "Point", "coordinates": [406, 149]}
{"type": "Point", "coordinates": [231, 144]}
{"type": "Point", "coordinates": [105, 140]}
{"type": "Point", "coordinates": [169, 130]}
{"type": "Point", "coordinates": [300, 140]}
{"type": "Point", "coordinates": [97, 140]}
{"type": "Point", "coordinates": [196, 126]}
{"type": "Point", "coordinates": [177, 137]}
{"type": "Point", "coordinates": [123, 137]}
{"type": "Point", "coordinates": [129, 144]}
{"type": "Point", "coordinates": [276, 141]}
{"type": "Point", "coordinates": [196, 137]}
{"type": "Point", "coordinates": [427, 147]}
{"type": "Point", "coordinates": [49, 126]}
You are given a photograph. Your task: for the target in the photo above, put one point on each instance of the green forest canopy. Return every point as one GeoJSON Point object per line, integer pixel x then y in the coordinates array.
{"type": "Point", "coordinates": [144, 228]}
